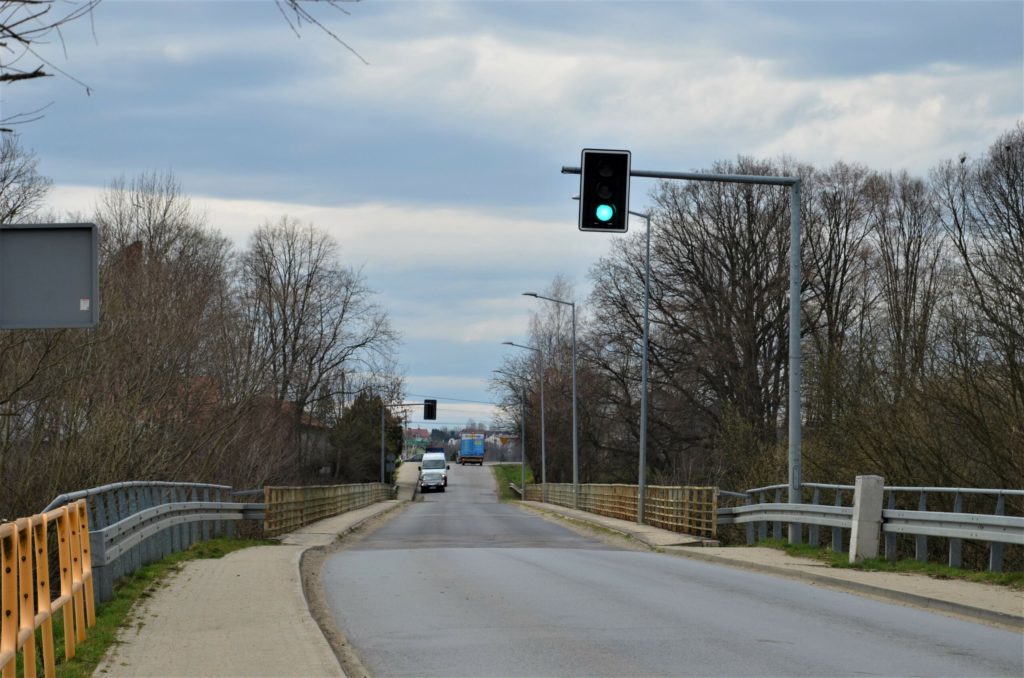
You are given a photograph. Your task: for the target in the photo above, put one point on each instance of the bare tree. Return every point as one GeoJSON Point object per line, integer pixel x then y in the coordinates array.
{"type": "Point", "coordinates": [905, 221]}
{"type": "Point", "coordinates": [722, 297]}
{"type": "Point", "coordinates": [312, 318]}
{"type": "Point", "coordinates": [838, 270]}
{"type": "Point", "coordinates": [983, 211]}
{"type": "Point", "coordinates": [22, 188]}
{"type": "Point", "coordinates": [981, 400]}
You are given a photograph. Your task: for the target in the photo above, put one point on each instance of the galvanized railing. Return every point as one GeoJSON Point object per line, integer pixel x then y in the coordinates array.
{"type": "Point", "coordinates": [289, 508]}
{"type": "Point", "coordinates": [763, 506]}
{"type": "Point", "coordinates": [688, 510]}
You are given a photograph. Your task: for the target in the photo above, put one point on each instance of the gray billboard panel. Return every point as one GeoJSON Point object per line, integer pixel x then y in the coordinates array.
{"type": "Point", "coordinates": [49, 276]}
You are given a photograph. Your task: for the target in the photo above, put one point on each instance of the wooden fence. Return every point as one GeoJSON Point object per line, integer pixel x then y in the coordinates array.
{"type": "Point", "coordinates": [688, 510]}
{"type": "Point", "coordinates": [26, 601]}
{"type": "Point", "coordinates": [289, 508]}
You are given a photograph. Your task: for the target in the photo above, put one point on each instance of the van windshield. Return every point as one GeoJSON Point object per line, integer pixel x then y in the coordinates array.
{"type": "Point", "coordinates": [433, 464]}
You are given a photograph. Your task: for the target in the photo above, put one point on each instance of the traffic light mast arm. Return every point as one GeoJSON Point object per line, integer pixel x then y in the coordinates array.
{"type": "Point", "coordinates": [701, 176]}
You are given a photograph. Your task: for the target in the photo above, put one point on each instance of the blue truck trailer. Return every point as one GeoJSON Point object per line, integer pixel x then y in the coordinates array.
{"type": "Point", "coordinates": [471, 450]}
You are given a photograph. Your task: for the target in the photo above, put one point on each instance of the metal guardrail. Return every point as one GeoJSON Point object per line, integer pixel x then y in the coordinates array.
{"type": "Point", "coordinates": [828, 516]}
{"type": "Point", "coordinates": [1003, 529]}
{"type": "Point", "coordinates": [117, 539]}
{"type": "Point", "coordinates": [996, 529]}
{"type": "Point", "coordinates": [138, 522]}
{"type": "Point", "coordinates": [135, 523]}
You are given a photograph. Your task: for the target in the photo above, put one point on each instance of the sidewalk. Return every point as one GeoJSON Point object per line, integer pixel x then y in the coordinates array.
{"type": "Point", "coordinates": [981, 602]}
{"type": "Point", "coordinates": [241, 615]}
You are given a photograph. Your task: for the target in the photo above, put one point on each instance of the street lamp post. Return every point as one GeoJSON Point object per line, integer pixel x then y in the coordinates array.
{"type": "Point", "coordinates": [642, 475]}
{"type": "Point", "coordinates": [522, 444]}
{"type": "Point", "coordinates": [522, 439]}
{"type": "Point", "coordinates": [543, 451]}
{"type": "Point", "coordinates": [575, 448]}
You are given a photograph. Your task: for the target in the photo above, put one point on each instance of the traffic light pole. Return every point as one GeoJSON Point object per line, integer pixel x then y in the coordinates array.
{"type": "Point", "coordinates": [794, 415]}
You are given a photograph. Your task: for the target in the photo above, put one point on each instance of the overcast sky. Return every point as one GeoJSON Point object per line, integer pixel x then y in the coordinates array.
{"type": "Point", "coordinates": [436, 165]}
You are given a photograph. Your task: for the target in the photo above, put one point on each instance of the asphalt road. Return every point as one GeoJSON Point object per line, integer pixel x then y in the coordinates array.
{"type": "Point", "coordinates": [460, 585]}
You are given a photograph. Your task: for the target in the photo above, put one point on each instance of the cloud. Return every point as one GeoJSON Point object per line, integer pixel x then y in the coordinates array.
{"type": "Point", "coordinates": [894, 121]}
{"type": "Point", "coordinates": [539, 95]}
{"type": "Point", "coordinates": [398, 238]}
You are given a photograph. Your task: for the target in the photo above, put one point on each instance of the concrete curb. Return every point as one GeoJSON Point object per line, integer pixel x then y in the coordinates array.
{"type": "Point", "coordinates": [978, 613]}
{"type": "Point", "coordinates": [312, 549]}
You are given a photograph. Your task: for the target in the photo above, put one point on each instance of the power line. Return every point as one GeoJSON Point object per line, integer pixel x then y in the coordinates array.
{"type": "Point", "coordinates": [437, 424]}
{"type": "Point", "coordinates": [458, 400]}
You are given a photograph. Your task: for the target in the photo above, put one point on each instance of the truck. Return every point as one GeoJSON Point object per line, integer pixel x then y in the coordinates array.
{"type": "Point", "coordinates": [471, 450]}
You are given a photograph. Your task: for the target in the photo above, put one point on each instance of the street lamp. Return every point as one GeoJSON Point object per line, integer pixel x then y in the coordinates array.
{"type": "Point", "coordinates": [575, 448]}
{"type": "Point", "coordinates": [543, 453]}
{"type": "Point", "coordinates": [642, 475]}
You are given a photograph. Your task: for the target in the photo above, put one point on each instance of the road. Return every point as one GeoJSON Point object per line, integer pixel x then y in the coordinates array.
{"type": "Point", "coordinates": [461, 585]}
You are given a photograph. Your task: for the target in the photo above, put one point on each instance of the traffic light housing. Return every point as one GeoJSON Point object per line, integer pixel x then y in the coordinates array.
{"type": "Point", "coordinates": [430, 409]}
{"type": "Point", "coordinates": [604, 190]}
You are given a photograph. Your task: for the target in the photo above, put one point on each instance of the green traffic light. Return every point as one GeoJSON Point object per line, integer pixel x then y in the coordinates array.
{"type": "Point", "coordinates": [604, 212]}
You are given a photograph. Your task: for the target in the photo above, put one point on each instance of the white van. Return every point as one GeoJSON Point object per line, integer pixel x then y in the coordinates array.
{"type": "Point", "coordinates": [433, 472]}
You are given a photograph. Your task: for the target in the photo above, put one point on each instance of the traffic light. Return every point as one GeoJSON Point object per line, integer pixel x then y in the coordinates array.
{"type": "Point", "coordinates": [430, 409]}
{"type": "Point", "coordinates": [604, 190]}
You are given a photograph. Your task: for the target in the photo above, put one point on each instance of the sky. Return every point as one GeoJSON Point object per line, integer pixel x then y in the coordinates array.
{"type": "Point", "coordinates": [433, 155]}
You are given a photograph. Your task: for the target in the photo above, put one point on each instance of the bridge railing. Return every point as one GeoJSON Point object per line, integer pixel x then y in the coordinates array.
{"type": "Point", "coordinates": [289, 508]}
{"type": "Point", "coordinates": [906, 512]}
{"type": "Point", "coordinates": [688, 510]}
{"type": "Point", "coordinates": [135, 523]}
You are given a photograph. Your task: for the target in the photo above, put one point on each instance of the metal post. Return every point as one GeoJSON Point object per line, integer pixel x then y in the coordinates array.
{"type": "Point", "coordinates": [382, 442]}
{"type": "Point", "coordinates": [522, 447]}
{"type": "Point", "coordinates": [956, 546]}
{"type": "Point", "coordinates": [575, 449]}
{"type": "Point", "coordinates": [794, 355]}
{"type": "Point", "coordinates": [642, 476]}
{"type": "Point", "coordinates": [995, 554]}
{"type": "Point", "coordinates": [543, 454]}
{"type": "Point", "coordinates": [543, 450]}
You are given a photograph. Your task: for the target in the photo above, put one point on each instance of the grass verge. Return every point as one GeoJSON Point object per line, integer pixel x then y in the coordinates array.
{"type": "Point", "coordinates": [509, 473]}
{"type": "Point", "coordinates": [115, 613]}
{"type": "Point", "coordinates": [1014, 580]}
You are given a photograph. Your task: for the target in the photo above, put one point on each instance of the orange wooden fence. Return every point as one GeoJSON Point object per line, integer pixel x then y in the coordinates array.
{"type": "Point", "coordinates": [27, 603]}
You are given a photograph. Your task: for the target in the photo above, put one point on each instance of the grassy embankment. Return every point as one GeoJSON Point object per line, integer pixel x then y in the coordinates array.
{"type": "Point", "coordinates": [116, 613]}
{"type": "Point", "coordinates": [1013, 580]}
{"type": "Point", "coordinates": [509, 473]}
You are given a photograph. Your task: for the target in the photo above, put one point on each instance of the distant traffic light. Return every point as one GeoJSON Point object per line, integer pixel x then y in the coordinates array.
{"type": "Point", "coordinates": [604, 190]}
{"type": "Point", "coordinates": [430, 409]}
